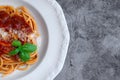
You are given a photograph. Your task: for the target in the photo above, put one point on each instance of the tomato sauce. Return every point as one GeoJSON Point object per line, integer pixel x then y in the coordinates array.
{"type": "Point", "coordinates": [5, 47]}
{"type": "Point", "coordinates": [14, 22]}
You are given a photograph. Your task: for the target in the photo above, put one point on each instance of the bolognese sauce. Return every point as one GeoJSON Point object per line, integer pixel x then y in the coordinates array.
{"type": "Point", "coordinates": [15, 24]}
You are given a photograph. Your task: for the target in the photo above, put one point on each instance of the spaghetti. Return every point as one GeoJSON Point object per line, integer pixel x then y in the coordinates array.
{"type": "Point", "coordinates": [15, 24]}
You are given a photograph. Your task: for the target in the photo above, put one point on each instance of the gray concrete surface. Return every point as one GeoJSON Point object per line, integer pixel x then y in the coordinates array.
{"type": "Point", "coordinates": [94, 51]}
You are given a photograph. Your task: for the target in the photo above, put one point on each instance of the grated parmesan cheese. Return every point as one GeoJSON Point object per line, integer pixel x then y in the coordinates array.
{"type": "Point", "coordinates": [3, 33]}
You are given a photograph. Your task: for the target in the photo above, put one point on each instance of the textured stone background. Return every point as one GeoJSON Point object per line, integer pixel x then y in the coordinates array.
{"type": "Point", "coordinates": [94, 51]}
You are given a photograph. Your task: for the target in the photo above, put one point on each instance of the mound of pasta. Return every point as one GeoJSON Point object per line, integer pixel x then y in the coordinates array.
{"type": "Point", "coordinates": [18, 34]}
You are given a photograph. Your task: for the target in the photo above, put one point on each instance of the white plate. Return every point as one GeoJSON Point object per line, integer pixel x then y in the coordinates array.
{"type": "Point", "coordinates": [53, 42]}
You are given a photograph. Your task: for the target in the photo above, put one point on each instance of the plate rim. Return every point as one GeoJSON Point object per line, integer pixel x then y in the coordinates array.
{"type": "Point", "coordinates": [66, 35]}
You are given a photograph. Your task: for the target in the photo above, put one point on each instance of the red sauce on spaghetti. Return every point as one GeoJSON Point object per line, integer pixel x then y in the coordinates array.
{"type": "Point", "coordinates": [14, 22]}
{"type": "Point", "coordinates": [5, 47]}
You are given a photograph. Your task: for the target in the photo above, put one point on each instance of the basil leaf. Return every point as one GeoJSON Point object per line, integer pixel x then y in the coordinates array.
{"type": "Point", "coordinates": [16, 43]}
{"type": "Point", "coordinates": [24, 56]}
{"type": "Point", "coordinates": [14, 52]}
{"type": "Point", "coordinates": [29, 48]}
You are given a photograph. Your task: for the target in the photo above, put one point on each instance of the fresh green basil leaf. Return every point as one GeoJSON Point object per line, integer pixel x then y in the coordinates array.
{"type": "Point", "coordinates": [29, 48]}
{"type": "Point", "coordinates": [24, 56]}
{"type": "Point", "coordinates": [14, 52]}
{"type": "Point", "coordinates": [16, 43]}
